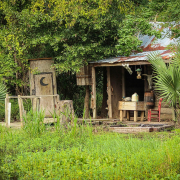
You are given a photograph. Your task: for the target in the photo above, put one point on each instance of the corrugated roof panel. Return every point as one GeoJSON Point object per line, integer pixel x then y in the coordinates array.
{"type": "Point", "coordinates": [143, 56]}
{"type": "Point", "coordinates": [149, 45]}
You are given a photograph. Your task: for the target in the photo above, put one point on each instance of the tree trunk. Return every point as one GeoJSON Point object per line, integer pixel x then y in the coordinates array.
{"type": "Point", "coordinates": [104, 102]}
{"type": "Point", "coordinates": [86, 103]}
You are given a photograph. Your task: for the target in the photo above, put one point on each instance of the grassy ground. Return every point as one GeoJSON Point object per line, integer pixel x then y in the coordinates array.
{"type": "Point", "coordinates": [75, 152]}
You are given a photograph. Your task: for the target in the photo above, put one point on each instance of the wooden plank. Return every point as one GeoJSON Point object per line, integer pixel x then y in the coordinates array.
{"type": "Point", "coordinates": [130, 105]}
{"type": "Point", "coordinates": [140, 106]}
{"type": "Point", "coordinates": [131, 129]}
{"type": "Point", "coordinates": [47, 102]}
{"type": "Point", "coordinates": [123, 83]}
{"type": "Point", "coordinates": [109, 93]}
{"type": "Point", "coordinates": [84, 75]}
{"type": "Point", "coordinates": [123, 88]}
{"type": "Point", "coordinates": [120, 63]}
{"type": "Point", "coordinates": [9, 114]}
{"type": "Point", "coordinates": [163, 104]}
{"type": "Point", "coordinates": [87, 120]}
{"type": "Point", "coordinates": [116, 89]}
{"type": "Point", "coordinates": [34, 105]}
{"type": "Point", "coordinates": [166, 116]}
{"type": "Point", "coordinates": [31, 97]}
{"type": "Point", "coordinates": [125, 105]}
{"type": "Point", "coordinates": [93, 97]}
{"type": "Point", "coordinates": [83, 81]}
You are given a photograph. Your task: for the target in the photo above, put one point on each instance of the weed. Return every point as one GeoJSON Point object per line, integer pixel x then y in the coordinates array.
{"type": "Point", "coordinates": [73, 151]}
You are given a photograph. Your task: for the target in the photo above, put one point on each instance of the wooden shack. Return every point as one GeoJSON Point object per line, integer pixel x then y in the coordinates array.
{"type": "Point", "coordinates": [120, 83]}
{"type": "Point", "coordinates": [43, 85]}
{"type": "Point", "coordinates": [43, 82]}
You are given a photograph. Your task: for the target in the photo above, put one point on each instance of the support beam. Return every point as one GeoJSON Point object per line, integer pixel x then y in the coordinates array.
{"type": "Point", "coordinates": [123, 88]}
{"type": "Point", "coordinates": [20, 109]}
{"type": "Point", "coordinates": [109, 101]}
{"type": "Point", "coordinates": [93, 97]}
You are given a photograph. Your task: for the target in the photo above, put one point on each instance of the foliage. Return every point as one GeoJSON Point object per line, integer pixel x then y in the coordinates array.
{"type": "Point", "coordinates": [167, 78]}
{"type": "Point", "coordinates": [129, 32]}
{"type": "Point", "coordinates": [74, 32]}
{"type": "Point", "coordinates": [3, 92]}
{"type": "Point", "coordinates": [33, 123]}
{"type": "Point", "coordinates": [75, 152]}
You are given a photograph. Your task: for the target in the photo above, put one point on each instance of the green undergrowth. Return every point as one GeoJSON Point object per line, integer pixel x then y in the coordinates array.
{"type": "Point", "coordinates": [73, 151]}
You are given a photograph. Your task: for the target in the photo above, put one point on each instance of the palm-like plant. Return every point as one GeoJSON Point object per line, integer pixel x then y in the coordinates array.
{"type": "Point", "coordinates": [3, 92]}
{"type": "Point", "coordinates": [167, 79]}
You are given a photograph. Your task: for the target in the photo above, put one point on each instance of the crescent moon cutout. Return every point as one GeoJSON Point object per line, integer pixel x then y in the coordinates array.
{"type": "Point", "coordinates": [42, 83]}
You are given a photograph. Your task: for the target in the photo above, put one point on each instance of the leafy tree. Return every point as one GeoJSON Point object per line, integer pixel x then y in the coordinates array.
{"type": "Point", "coordinates": [129, 31]}
{"type": "Point", "coordinates": [75, 32]}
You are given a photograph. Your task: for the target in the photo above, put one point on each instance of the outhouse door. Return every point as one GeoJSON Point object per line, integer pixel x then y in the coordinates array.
{"type": "Point", "coordinates": [43, 84]}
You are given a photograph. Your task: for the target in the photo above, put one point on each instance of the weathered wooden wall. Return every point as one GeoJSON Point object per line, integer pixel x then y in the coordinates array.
{"type": "Point", "coordinates": [43, 82]}
{"type": "Point", "coordinates": [84, 76]}
{"type": "Point", "coordinates": [116, 89]}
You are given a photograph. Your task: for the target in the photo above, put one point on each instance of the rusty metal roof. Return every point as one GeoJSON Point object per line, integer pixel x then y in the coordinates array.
{"type": "Point", "coordinates": [149, 45]}
{"type": "Point", "coordinates": [143, 56]}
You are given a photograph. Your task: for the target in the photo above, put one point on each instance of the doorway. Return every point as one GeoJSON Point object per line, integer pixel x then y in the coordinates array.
{"type": "Point", "coordinates": [134, 85]}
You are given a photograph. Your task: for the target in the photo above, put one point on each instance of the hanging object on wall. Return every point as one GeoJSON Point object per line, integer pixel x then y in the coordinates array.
{"type": "Point", "coordinates": [126, 66]}
{"type": "Point", "coordinates": [138, 73]}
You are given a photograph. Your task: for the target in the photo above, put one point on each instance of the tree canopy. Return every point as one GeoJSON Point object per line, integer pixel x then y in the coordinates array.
{"type": "Point", "coordinates": [73, 32]}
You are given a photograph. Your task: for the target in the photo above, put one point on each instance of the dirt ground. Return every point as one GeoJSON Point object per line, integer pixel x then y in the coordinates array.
{"type": "Point", "coordinates": [17, 125]}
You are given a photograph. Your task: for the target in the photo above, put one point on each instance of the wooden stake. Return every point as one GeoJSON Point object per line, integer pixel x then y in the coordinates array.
{"type": "Point", "coordinates": [34, 104]}
{"type": "Point", "coordinates": [9, 114]}
{"type": "Point", "coordinates": [6, 109]}
{"type": "Point", "coordinates": [20, 109]}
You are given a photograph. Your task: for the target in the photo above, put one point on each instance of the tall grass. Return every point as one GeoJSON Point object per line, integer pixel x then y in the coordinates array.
{"type": "Point", "coordinates": [73, 151]}
{"type": "Point", "coordinates": [33, 123]}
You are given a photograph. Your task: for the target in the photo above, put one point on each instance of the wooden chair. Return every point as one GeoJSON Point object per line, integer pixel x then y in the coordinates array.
{"type": "Point", "coordinates": [154, 112]}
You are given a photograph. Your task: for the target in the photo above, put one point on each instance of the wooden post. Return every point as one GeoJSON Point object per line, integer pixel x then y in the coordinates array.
{"type": "Point", "coordinates": [35, 104]}
{"type": "Point", "coordinates": [6, 109]}
{"type": "Point", "coordinates": [123, 83]}
{"type": "Point", "coordinates": [93, 98]}
{"type": "Point", "coordinates": [123, 88]}
{"type": "Point", "coordinates": [9, 114]}
{"type": "Point", "coordinates": [142, 115]}
{"type": "Point", "coordinates": [128, 116]}
{"type": "Point", "coordinates": [121, 115]}
{"type": "Point", "coordinates": [135, 116]}
{"type": "Point", "coordinates": [109, 93]}
{"type": "Point", "coordinates": [86, 103]}
{"type": "Point", "coordinates": [20, 109]}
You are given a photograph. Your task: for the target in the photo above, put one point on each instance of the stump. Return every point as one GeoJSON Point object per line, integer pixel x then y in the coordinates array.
{"type": "Point", "coordinates": [65, 110]}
